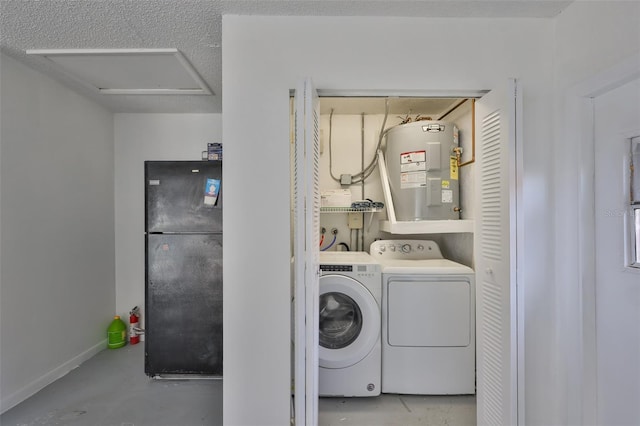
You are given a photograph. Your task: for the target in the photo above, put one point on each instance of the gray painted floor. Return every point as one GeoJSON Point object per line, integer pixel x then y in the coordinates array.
{"type": "Point", "coordinates": [398, 410]}
{"type": "Point", "coordinates": [111, 389]}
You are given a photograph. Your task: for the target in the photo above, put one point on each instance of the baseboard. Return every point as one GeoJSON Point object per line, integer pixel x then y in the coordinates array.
{"type": "Point", "coordinates": [17, 397]}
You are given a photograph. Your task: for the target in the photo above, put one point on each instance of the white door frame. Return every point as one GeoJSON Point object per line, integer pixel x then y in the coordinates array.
{"type": "Point", "coordinates": [499, 282]}
{"type": "Point", "coordinates": [576, 216]}
{"type": "Point", "coordinates": [306, 254]}
{"type": "Point", "coordinates": [517, 302]}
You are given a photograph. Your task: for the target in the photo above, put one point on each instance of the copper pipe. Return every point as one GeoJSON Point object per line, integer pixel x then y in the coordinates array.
{"type": "Point", "coordinates": [473, 137]}
{"type": "Point", "coordinates": [452, 109]}
{"type": "Point", "coordinates": [473, 131]}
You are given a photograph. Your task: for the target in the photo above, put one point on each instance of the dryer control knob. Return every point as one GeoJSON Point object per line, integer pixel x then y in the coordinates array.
{"type": "Point", "coordinates": [420, 247]}
{"type": "Point", "coordinates": [406, 248]}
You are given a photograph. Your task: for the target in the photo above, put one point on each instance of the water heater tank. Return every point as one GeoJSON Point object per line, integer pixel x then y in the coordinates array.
{"type": "Point", "coordinates": [423, 170]}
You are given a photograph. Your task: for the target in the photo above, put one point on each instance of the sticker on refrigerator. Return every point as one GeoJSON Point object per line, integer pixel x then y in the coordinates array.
{"type": "Point", "coordinates": [211, 191]}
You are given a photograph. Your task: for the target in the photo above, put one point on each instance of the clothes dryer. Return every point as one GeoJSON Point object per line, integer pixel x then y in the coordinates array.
{"type": "Point", "coordinates": [350, 318]}
{"type": "Point", "coordinates": [428, 320]}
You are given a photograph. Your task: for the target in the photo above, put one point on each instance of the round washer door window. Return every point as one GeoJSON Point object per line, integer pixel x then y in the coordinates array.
{"type": "Point", "coordinates": [349, 318]}
{"type": "Point", "coordinates": [340, 320]}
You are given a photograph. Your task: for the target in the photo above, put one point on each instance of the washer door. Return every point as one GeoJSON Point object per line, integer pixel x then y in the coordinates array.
{"type": "Point", "coordinates": [349, 321]}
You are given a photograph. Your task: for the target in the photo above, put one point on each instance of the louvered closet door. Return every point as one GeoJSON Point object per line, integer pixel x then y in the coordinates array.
{"type": "Point", "coordinates": [306, 253]}
{"type": "Point", "coordinates": [495, 248]}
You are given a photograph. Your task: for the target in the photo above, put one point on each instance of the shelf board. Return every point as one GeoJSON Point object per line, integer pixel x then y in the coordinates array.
{"type": "Point", "coordinates": [427, 226]}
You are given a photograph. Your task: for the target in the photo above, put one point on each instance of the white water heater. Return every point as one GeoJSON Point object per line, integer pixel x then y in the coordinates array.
{"type": "Point", "coordinates": [422, 170]}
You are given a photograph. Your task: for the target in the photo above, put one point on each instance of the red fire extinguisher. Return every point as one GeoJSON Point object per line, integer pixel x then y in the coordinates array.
{"type": "Point", "coordinates": [134, 322]}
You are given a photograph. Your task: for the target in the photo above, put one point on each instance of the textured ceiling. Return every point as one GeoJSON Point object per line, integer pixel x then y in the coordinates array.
{"type": "Point", "coordinates": [194, 27]}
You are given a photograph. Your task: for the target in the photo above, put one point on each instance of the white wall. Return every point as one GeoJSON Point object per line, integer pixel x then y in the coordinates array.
{"type": "Point", "coordinates": [346, 138]}
{"type": "Point", "coordinates": [592, 36]}
{"type": "Point", "coordinates": [137, 138]}
{"type": "Point", "coordinates": [57, 265]}
{"type": "Point", "coordinates": [265, 57]}
{"type": "Point", "coordinates": [617, 119]}
{"type": "Point", "coordinates": [597, 43]}
{"type": "Point", "coordinates": [346, 158]}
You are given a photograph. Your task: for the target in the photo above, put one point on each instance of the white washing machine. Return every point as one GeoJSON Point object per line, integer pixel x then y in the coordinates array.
{"type": "Point", "coordinates": [428, 320]}
{"type": "Point", "coordinates": [350, 318]}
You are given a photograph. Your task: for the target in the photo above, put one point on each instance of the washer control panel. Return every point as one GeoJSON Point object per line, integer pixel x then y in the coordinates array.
{"type": "Point", "coordinates": [357, 271]}
{"type": "Point", "coordinates": [337, 268]}
{"type": "Point", "coordinates": [405, 249]}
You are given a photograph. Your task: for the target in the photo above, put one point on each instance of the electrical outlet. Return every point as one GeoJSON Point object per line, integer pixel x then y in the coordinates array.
{"type": "Point", "coordinates": [356, 220]}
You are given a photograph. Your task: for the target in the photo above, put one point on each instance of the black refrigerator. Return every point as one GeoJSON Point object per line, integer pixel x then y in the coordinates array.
{"type": "Point", "coordinates": [183, 273]}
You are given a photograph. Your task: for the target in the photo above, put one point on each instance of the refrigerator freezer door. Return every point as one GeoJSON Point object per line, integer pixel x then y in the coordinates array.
{"type": "Point", "coordinates": [184, 304]}
{"type": "Point", "coordinates": [179, 198]}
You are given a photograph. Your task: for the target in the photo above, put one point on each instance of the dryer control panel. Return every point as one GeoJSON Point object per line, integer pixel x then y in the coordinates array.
{"type": "Point", "coordinates": [406, 249]}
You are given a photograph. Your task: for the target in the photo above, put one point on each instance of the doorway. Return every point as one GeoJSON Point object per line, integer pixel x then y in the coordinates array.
{"type": "Point", "coordinates": [349, 135]}
{"type": "Point", "coordinates": [500, 398]}
{"type": "Point", "coordinates": [599, 121]}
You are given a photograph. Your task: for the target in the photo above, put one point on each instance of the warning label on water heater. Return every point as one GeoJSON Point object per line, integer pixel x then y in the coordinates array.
{"type": "Point", "coordinates": [413, 169]}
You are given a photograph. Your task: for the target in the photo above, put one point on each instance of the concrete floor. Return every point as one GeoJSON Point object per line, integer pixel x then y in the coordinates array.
{"type": "Point", "coordinates": [398, 410]}
{"type": "Point", "coordinates": [111, 389]}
